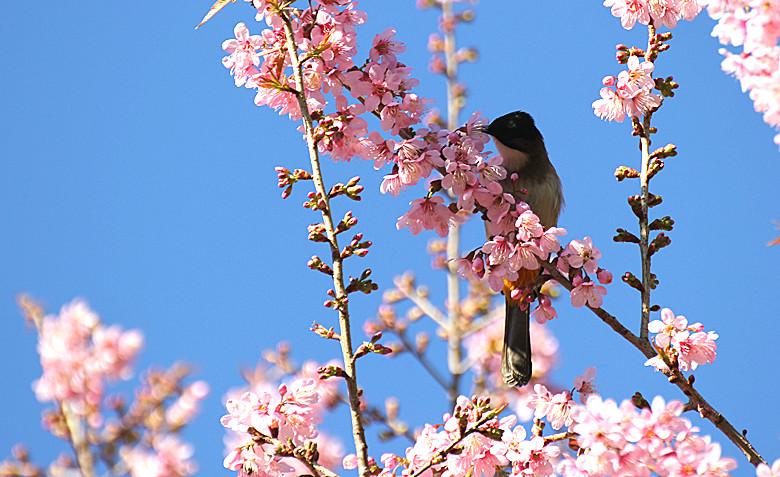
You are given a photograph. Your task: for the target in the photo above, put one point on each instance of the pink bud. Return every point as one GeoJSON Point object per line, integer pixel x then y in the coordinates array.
{"type": "Point", "coordinates": [604, 276]}
{"type": "Point", "coordinates": [608, 81]}
{"type": "Point", "coordinates": [350, 462]}
{"type": "Point", "coordinates": [282, 389]}
{"type": "Point", "coordinates": [478, 265]}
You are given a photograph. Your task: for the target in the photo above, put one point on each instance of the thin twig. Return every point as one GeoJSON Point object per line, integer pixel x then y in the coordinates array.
{"type": "Point", "coordinates": [421, 359]}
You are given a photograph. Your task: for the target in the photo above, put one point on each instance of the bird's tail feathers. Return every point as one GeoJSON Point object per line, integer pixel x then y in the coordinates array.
{"type": "Point", "coordinates": [516, 356]}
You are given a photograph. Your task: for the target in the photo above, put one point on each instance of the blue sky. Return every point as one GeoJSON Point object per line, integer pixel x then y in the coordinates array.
{"type": "Point", "coordinates": [134, 174]}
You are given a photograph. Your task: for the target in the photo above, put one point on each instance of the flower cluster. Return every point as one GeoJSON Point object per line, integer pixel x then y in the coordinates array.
{"type": "Point", "coordinates": [325, 37]}
{"type": "Point", "coordinates": [683, 345]}
{"type": "Point", "coordinates": [556, 408]}
{"type": "Point", "coordinates": [268, 422]}
{"type": "Point", "coordinates": [754, 26]}
{"type": "Point", "coordinates": [625, 440]}
{"type": "Point", "coordinates": [503, 258]}
{"type": "Point", "coordinates": [471, 441]}
{"type": "Point", "coordinates": [660, 12]}
{"type": "Point", "coordinates": [265, 417]}
{"type": "Point", "coordinates": [168, 457]}
{"type": "Point", "coordinates": [628, 95]}
{"type": "Point", "coordinates": [79, 355]}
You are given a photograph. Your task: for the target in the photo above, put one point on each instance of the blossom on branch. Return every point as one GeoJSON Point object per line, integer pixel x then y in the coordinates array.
{"type": "Point", "coordinates": [428, 214]}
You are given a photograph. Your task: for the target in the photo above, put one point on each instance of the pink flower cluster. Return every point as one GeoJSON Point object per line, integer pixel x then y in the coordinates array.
{"type": "Point", "coordinates": [78, 355]}
{"type": "Point", "coordinates": [503, 257]}
{"type": "Point", "coordinates": [623, 440]}
{"type": "Point", "coordinates": [755, 26]}
{"type": "Point", "coordinates": [628, 95]}
{"type": "Point", "coordinates": [556, 408]}
{"type": "Point", "coordinates": [447, 450]}
{"type": "Point", "coordinates": [290, 415]}
{"type": "Point", "coordinates": [280, 413]}
{"type": "Point", "coordinates": [325, 38]}
{"type": "Point", "coordinates": [660, 12]}
{"type": "Point", "coordinates": [685, 345]}
{"type": "Point", "coordinates": [169, 458]}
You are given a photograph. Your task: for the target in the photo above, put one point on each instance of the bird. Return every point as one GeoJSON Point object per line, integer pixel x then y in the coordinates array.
{"type": "Point", "coordinates": [530, 178]}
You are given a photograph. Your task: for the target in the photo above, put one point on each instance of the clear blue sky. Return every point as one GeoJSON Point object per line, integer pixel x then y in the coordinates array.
{"type": "Point", "coordinates": [134, 174]}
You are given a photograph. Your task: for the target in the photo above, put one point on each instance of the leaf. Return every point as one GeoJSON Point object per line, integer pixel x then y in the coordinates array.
{"type": "Point", "coordinates": [218, 5]}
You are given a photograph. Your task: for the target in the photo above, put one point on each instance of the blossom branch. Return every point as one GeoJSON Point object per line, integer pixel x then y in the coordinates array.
{"type": "Point", "coordinates": [306, 455]}
{"type": "Point", "coordinates": [358, 431]}
{"type": "Point", "coordinates": [76, 431]}
{"type": "Point", "coordinates": [454, 335]}
{"type": "Point", "coordinates": [452, 447]}
{"type": "Point", "coordinates": [673, 373]}
{"type": "Point", "coordinates": [644, 230]}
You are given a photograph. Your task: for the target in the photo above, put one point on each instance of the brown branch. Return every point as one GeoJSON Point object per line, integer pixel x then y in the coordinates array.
{"type": "Point", "coordinates": [675, 376]}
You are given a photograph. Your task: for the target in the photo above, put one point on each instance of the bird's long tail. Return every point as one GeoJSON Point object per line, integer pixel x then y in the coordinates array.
{"type": "Point", "coordinates": [516, 355]}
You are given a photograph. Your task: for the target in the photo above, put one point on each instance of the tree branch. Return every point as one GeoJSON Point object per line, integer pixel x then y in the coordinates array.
{"type": "Point", "coordinates": [361, 448]}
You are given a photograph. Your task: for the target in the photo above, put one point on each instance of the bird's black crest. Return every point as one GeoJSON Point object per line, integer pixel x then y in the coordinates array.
{"type": "Point", "coordinates": [513, 128]}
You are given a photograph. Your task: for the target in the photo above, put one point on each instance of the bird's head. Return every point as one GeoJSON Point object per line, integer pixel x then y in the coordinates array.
{"type": "Point", "coordinates": [514, 129]}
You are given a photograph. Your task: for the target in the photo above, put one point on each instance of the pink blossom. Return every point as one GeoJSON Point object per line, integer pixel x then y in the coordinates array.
{"type": "Point", "coordinates": [556, 408]}
{"type": "Point", "coordinates": [698, 348]}
{"type": "Point", "coordinates": [586, 292]}
{"type": "Point", "coordinates": [458, 177]}
{"type": "Point", "coordinates": [629, 11]}
{"type": "Point", "coordinates": [640, 103]}
{"type": "Point", "coordinates": [498, 250]}
{"type": "Point", "coordinates": [532, 457]}
{"type": "Point", "coordinates": [490, 170]}
{"type": "Point", "coordinates": [385, 46]}
{"type": "Point", "coordinates": [610, 106]}
{"type": "Point", "coordinates": [668, 328]}
{"type": "Point", "coordinates": [763, 470]}
{"type": "Point", "coordinates": [428, 442]}
{"type": "Point", "coordinates": [525, 256]}
{"type": "Point", "coordinates": [243, 58]}
{"type": "Point", "coordinates": [604, 276]}
{"type": "Point", "coordinates": [582, 254]}
{"type": "Point", "coordinates": [548, 242]}
{"type": "Point", "coordinates": [79, 355]}
{"type": "Point", "coordinates": [637, 78]}
{"type": "Point", "coordinates": [391, 183]}
{"type": "Point", "coordinates": [528, 226]}
{"type": "Point", "coordinates": [545, 311]}
{"type": "Point", "coordinates": [497, 274]}
{"type": "Point", "coordinates": [429, 214]}
{"type": "Point", "coordinates": [664, 12]}
{"type": "Point", "coordinates": [584, 384]}
{"type": "Point", "coordinates": [350, 462]}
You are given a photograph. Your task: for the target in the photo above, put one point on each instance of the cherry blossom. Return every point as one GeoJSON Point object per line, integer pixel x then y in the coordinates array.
{"type": "Point", "coordinates": [428, 214]}
{"type": "Point", "coordinates": [582, 254]}
{"type": "Point", "coordinates": [586, 292]}
{"type": "Point", "coordinates": [763, 470]}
